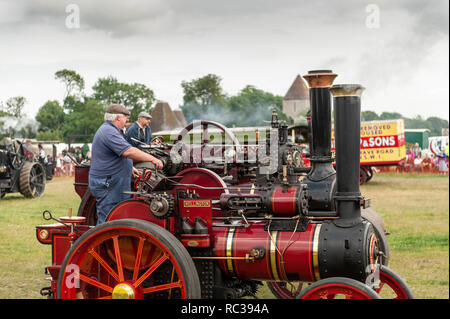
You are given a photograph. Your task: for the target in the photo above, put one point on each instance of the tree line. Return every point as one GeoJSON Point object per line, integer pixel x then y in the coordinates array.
{"type": "Point", "coordinates": [77, 117]}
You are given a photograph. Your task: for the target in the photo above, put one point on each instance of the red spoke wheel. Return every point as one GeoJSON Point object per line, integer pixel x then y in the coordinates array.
{"type": "Point", "coordinates": [128, 259]}
{"type": "Point", "coordinates": [392, 285]}
{"type": "Point", "coordinates": [285, 290]}
{"type": "Point", "coordinates": [337, 288]}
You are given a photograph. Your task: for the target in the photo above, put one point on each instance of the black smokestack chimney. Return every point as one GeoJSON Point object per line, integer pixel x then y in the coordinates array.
{"type": "Point", "coordinates": [320, 82]}
{"type": "Point", "coordinates": [321, 178]}
{"type": "Point", "coordinates": [347, 126]}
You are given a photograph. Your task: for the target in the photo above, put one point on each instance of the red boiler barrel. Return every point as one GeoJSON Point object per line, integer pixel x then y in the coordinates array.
{"type": "Point", "coordinates": [288, 255]}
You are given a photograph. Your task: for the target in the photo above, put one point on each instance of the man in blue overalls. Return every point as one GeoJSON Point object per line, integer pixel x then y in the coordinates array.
{"type": "Point", "coordinates": [112, 162]}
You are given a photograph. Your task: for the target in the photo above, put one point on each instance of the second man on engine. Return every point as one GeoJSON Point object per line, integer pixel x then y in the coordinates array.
{"type": "Point", "coordinates": [140, 130]}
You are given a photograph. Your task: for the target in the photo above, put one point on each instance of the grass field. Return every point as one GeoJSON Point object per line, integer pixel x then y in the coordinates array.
{"type": "Point", "coordinates": [415, 209]}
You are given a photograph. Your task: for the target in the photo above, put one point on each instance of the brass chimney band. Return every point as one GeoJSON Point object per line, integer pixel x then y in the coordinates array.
{"type": "Point", "coordinates": [320, 79]}
{"type": "Point", "coordinates": [340, 90]}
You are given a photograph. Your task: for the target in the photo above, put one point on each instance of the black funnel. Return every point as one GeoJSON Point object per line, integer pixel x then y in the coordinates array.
{"type": "Point", "coordinates": [320, 180]}
{"type": "Point", "coordinates": [347, 126]}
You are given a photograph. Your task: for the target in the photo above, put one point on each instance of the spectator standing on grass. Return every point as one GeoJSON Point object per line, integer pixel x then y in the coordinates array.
{"type": "Point", "coordinates": [442, 162]}
{"type": "Point", "coordinates": [417, 150]}
{"type": "Point", "coordinates": [58, 168]}
{"type": "Point", "coordinates": [446, 150]}
{"type": "Point", "coordinates": [41, 155]}
{"type": "Point", "coordinates": [67, 164]}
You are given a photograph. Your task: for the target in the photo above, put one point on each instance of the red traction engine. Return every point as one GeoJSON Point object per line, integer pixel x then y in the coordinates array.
{"type": "Point", "coordinates": [193, 235]}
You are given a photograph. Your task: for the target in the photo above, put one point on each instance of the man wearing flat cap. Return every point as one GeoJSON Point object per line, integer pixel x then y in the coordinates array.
{"type": "Point", "coordinates": [140, 130]}
{"type": "Point", "coordinates": [112, 162]}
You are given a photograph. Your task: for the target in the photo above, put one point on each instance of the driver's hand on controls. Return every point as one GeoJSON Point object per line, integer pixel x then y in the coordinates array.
{"type": "Point", "coordinates": [158, 164]}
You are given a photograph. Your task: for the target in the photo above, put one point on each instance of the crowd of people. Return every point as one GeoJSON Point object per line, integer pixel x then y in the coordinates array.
{"type": "Point", "coordinates": [424, 162]}
{"type": "Point", "coordinates": [66, 161]}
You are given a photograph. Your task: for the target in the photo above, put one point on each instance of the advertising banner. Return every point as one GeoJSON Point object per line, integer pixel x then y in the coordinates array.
{"type": "Point", "coordinates": [382, 142]}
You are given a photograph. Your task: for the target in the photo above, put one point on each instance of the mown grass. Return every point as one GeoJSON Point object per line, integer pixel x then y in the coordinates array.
{"type": "Point", "coordinates": [414, 207]}
{"type": "Point", "coordinates": [22, 257]}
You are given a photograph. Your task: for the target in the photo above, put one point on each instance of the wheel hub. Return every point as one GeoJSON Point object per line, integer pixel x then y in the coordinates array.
{"type": "Point", "coordinates": [123, 291]}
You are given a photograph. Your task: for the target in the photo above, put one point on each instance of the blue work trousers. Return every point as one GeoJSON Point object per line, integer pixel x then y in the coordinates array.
{"type": "Point", "coordinates": [108, 192]}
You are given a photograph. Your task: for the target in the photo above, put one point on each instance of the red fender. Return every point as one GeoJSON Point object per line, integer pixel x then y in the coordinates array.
{"type": "Point", "coordinates": [139, 209]}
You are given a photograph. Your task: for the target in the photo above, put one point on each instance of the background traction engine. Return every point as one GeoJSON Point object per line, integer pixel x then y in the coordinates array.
{"type": "Point", "coordinates": [195, 236]}
{"type": "Point", "coordinates": [19, 175]}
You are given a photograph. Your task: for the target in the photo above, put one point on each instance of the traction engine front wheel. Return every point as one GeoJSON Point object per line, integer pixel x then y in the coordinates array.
{"type": "Point", "coordinates": [337, 288]}
{"type": "Point", "coordinates": [128, 259]}
{"type": "Point", "coordinates": [391, 285]}
{"type": "Point", "coordinates": [285, 290]}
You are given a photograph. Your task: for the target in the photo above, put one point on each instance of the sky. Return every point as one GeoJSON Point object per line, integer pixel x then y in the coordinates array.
{"type": "Point", "coordinates": [397, 49]}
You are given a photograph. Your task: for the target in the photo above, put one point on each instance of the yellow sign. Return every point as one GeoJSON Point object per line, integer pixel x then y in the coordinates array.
{"type": "Point", "coordinates": [379, 128]}
{"type": "Point", "coordinates": [382, 142]}
{"type": "Point", "coordinates": [382, 128]}
{"type": "Point", "coordinates": [387, 154]}
{"type": "Point", "coordinates": [197, 203]}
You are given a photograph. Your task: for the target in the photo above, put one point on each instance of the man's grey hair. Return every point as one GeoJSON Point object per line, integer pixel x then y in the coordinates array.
{"type": "Point", "coordinates": [111, 117]}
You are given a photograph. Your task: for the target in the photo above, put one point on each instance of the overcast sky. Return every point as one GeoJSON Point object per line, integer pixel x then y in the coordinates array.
{"type": "Point", "coordinates": [397, 49]}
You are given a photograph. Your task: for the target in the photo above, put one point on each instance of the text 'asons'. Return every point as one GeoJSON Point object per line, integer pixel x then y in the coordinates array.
{"type": "Point", "coordinates": [379, 141]}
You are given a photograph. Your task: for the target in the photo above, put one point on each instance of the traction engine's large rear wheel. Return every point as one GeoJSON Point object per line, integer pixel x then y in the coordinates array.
{"type": "Point", "coordinates": [130, 259]}
{"type": "Point", "coordinates": [32, 179]}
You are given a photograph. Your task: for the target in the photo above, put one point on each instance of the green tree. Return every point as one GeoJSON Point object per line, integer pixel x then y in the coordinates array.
{"type": "Point", "coordinates": [3, 110]}
{"type": "Point", "coordinates": [390, 116]}
{"type": "Point", "coordinates": [252, 107]}
{"type": "Point", "coordinates": [74, 83]}
{"type": "Point", "coordinates": [50, 135]}
{"type": "Point", "coordinates": [80, 126]}
{"type": "Point", "coordinates": [416, 122]}
{"type": "Point", "coordinates": [436, 124]}
{"type": "Point", "coordinates": [136, 97]}
{"type": "Point", "coordinates": [73, 103]}
{"type": "Point", "coordinates": [203, 91]}
{"type": "Point", "coordinates": [107, 90]}
{"type": "Point", "coordinates": [50, 116]}
{"type": "Point", "coordinates": [202, 95]}
{"type": "Point", "coordinates": [15, 105]}
{"type": "Point", "coordinates": [369, 116]}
